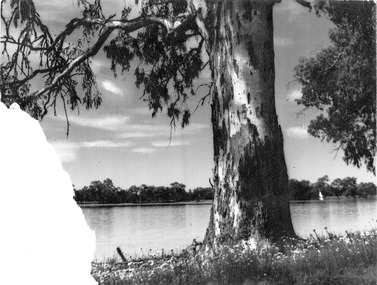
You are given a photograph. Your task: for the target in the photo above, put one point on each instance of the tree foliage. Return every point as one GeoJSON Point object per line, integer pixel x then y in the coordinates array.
{"type": "Point", "coordinates": [164, 40]}
{"type": "Point", "coordinates": [348, 187]}
{"type": "Point", "coordinates": [105, 192]}
{"type": "Point", "coordinates": [340, 81]}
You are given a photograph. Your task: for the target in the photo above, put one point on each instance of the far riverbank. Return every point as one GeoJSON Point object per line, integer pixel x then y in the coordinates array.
{"type": "Point", "coordinates": [203, 202]}
{"type": "Point", "coordinates": [94, 205]}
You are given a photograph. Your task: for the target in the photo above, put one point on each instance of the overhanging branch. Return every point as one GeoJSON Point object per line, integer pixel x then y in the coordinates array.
{"type": "Point", "coordinates": [59, 62]}
{"type": "Point", "coordinates": [76, 62]}
{"type": "Point", "coordinates": [304, 3]}
{"type": "Point", "coordinates": [126, 25]}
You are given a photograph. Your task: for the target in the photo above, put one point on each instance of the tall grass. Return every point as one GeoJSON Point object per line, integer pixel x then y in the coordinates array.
{"type": "Point", "coordinates": [331, 259]}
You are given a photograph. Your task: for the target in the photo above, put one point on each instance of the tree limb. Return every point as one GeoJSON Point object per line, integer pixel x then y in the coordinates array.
{"type": "Point", "coordinates": [59, 63]}
{"type": "Point", "coordinates": [202, 100]}
{"type": "Point", "coordinates": [77, 61]}
{"type": "Point", "coordinates": [198, 19]}
{"type": "Point", "coordinates": [126, 25]}
{"type": "Point", "coordinates": [304, 3]}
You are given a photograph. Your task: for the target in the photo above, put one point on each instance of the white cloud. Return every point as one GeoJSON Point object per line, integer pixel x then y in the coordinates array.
{"type": "Point", "coordinates": [162, 130]}
{"type": "Point", "coordinates": [139, 131]}
{"type": "Point", "coordinates": [104, 144]}
{"type": "Point", "coordinates": [111, 87]}
{"type": "Point", "coordinates": [128, 130]}
{"type": "Point", "coordinates": [68, 151]}
{"type": "Point", "coordinates": [111, 123]}
{"type": "Point", "coordinates": [143, 150]}
{"type": "Point", "coordinates": [150, 127]}
{"type": "Point", "coordinates": [294, 94]}
{"type": "Point", "coordinates": [297, 132]}
{"type": "Point", "coordinates": [137, 135]}
{"type": "Point", "coordinates": [166, 143]}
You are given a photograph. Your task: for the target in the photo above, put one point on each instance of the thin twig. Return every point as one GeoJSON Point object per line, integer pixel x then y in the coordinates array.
{"type": "Point", "coordinates": [201, 101]}
{"type": "Point", "coordinates": [66, 115]}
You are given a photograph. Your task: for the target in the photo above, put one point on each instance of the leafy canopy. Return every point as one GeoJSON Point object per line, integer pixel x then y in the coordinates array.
{"type": "Point", "coordinates": [164, 42]}
{"type": "Point", "coordinates": [340, 81]}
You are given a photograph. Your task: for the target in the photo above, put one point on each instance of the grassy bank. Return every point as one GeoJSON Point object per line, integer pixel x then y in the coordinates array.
{"type": "Point", "coordinates": [349, 259]}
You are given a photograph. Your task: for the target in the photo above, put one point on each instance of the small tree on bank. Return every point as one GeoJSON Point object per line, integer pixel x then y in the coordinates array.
{"type": "Point", "coordinates": [168, 38]}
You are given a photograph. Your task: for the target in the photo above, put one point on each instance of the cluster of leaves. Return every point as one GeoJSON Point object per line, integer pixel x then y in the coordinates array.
{"type": "Point", "coordinates": [340, 81]}
{"type": "Point", "coordinates": [33, 55]}
{"type": "Point", "coordinates": [348, 186]}
{"type": "Point", "coordinates": [348, 259]}
{"type": "Point", "coordinates": [167, 65]}
{"type": "Point", "coordinates": [105, 192]}
{"type": "Point", "coordinates": [41, 68]}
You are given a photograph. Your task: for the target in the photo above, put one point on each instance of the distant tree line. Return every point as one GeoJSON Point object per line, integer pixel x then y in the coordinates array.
{"type": "Point", "coordinates": [305, 190]}
{"type": "Point", "coordinates": [106, 193]}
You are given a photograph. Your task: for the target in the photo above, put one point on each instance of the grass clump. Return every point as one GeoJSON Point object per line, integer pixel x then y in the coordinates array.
{"type": "Point", "coordinates": [349, 259]}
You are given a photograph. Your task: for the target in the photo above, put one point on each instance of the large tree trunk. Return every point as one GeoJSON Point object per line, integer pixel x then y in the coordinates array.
{"type": "Point", "coordinates": [250, 175]}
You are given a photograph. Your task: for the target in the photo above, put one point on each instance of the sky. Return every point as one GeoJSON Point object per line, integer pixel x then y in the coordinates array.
{"type": "Point", "coordinates": [121, 140]}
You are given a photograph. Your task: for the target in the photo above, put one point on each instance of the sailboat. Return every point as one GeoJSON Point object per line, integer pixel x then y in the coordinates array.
{"type": "Point", "coordinates": [320, 195]}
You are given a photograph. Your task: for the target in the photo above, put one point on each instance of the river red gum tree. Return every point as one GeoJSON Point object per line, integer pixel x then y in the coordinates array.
{"type": "Point", "coordinates": [250, 175]}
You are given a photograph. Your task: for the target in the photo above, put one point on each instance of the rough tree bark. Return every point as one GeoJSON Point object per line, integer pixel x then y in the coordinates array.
{"type": "Point", "coordinates": [250, 175]}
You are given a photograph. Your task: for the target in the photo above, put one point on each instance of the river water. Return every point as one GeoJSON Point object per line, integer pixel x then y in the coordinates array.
{"type": "Point", "coordinates": [140, 230]}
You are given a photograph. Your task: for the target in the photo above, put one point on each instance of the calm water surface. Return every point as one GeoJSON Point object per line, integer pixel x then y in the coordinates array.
{"type": "Point", "coordinates": [338, 215]}
{"type": "Point", "coordinates": [137, 230]}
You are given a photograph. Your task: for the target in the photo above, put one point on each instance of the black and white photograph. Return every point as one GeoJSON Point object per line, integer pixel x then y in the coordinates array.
{"type": "Point", "coordinates": [188, 142]}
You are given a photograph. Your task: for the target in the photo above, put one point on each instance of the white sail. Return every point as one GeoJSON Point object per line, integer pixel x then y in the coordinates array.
{"type": "Point", "coordinates": [320, 196]}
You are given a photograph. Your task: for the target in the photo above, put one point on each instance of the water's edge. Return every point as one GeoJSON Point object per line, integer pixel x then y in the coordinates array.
{"type": "Point", "coordinates": [205, 202]}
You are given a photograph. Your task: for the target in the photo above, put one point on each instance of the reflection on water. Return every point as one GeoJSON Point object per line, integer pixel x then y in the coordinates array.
{"type": "Point", "coordinates": [136, 230]}
{"type": "Point", "coordinates": [169, 227]}
{"type": "Point", "coordinates": [338, 215]}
